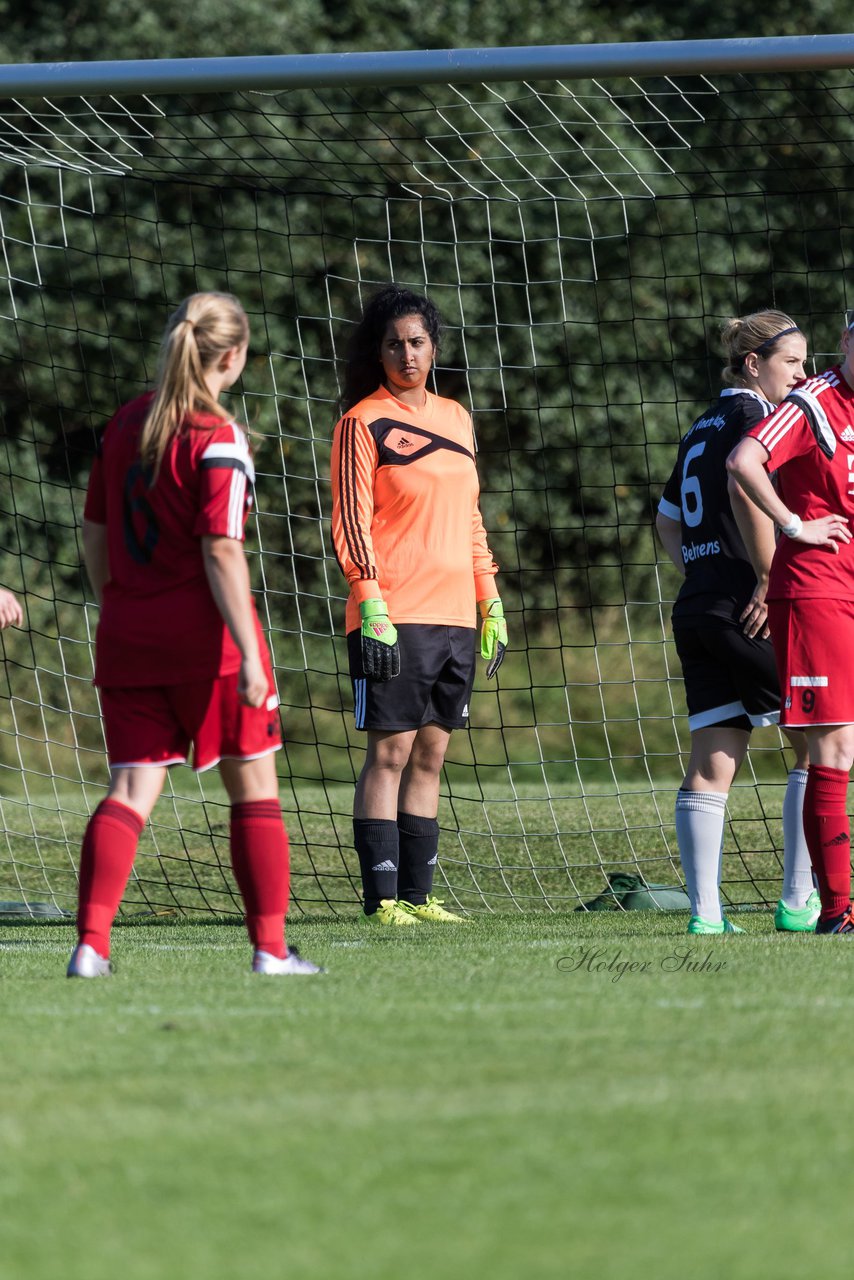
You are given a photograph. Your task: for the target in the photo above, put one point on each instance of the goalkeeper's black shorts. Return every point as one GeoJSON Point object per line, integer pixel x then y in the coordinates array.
{"type": "Point", "coordinates": [437, 667]}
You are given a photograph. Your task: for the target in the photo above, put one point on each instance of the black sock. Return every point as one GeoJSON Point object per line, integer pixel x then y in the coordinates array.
{"type": "Point", "coordinates": [419, 853]}
{"type": "Point", "coordinates": [375, 840]}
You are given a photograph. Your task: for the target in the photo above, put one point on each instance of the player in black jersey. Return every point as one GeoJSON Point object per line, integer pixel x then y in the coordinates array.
{"type": "Point", "coordinates": [723, 545]}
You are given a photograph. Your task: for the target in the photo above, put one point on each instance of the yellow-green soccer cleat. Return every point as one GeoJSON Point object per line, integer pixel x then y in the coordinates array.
{"type": "Point", "coordinates": [698, 925]}
{"type": "Point", "coordinates": [800, 920]}
{"type": "Point", "coordinates": [392, 912]}
{"type": "Point", "coordinates": [433, 910]}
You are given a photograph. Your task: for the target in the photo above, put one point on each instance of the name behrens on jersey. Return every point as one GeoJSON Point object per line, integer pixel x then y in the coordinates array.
{"type": "Point", "coordinates": [698, 550]}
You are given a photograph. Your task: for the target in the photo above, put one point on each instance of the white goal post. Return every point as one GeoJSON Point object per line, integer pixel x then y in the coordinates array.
{"type": "Point", "coordinates": [585, 218]}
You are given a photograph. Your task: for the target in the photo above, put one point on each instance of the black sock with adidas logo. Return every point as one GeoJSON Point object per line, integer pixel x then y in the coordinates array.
{"type": "Point", "coordinates": [419, 853]}
{"type": "Point", "coordinates": [376, 843]}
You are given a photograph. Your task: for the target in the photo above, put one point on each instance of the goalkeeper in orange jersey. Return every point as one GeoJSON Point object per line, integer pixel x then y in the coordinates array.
{"type": "Point", "coordinates": [410, 541]}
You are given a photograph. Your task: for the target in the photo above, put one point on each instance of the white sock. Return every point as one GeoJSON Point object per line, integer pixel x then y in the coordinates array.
{"type": "Point", "coordinates": [700, 817]}
{"type": "Point", "coordinates": [797, 867]}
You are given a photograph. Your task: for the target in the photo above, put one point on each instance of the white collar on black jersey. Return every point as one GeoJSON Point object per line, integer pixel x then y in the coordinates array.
{"type": "Point", "coordinates": [745, 391]}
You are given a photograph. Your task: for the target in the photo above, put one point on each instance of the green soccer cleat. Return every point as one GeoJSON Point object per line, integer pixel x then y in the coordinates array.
{"type": "Point", "coordinates": [800, 920]}
{"type": "Point", "coordinates": [392, 912]}
{"type": "Point", "coordinates": [698, 925]}
{"type": "Point", "coordinates": [433, 910]}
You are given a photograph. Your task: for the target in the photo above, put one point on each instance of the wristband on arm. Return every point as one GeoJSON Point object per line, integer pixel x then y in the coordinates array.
{"type": "Point", "coordinates": [380, 650]}
{"type": "Point", "coordinates": [493, 634]}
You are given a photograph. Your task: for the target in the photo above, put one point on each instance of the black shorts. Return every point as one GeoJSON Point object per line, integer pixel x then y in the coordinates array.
{"type": "Point", "coordinates": [730, 679]}
{"type": "Point", "coordinates": [434, 685]}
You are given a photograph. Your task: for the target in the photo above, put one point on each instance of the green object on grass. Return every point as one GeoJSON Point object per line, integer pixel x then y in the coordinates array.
{"type": "Point", "coordinates": [32, 910]}
{"type": "Point", "coordinates": [627, 892]}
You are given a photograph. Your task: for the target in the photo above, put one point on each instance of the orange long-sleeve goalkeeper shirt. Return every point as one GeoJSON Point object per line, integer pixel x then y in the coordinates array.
{"type": "Point", "coordinates": [405, 518]}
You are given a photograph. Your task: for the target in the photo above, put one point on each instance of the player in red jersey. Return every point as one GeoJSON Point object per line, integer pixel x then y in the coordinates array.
{"type": "Point", "coordinates": [410, 540]}
{"type": "Point", "coordinates": [180, 659]}
{"type": "Point", "coordinates": [723, 546]}
{"type": "Point", "coordinates": [809, 442]}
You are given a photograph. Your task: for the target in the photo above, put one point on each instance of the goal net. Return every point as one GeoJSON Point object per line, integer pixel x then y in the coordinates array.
{"type": "Point", "coordinates": [583, 239]}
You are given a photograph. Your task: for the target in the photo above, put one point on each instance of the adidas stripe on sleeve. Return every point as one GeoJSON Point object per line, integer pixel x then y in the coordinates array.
{"type": "Point", "coordinates": [227, 476]}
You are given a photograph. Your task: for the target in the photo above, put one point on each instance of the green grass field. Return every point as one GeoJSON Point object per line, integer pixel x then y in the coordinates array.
{"type": "Point", "coordinates": [449, 1104]}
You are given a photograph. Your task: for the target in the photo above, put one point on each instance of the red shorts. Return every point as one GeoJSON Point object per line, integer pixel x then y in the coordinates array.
{"type": "Point", "coordinates": [157, 725]}
{"type": "Point", "coordinates": [813, 643]}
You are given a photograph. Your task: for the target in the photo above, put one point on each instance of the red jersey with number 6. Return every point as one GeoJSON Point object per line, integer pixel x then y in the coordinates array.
{"type": "Point", "coordinates": [810, 443]}
{"type": "Point", "coordinates": [159, 622]}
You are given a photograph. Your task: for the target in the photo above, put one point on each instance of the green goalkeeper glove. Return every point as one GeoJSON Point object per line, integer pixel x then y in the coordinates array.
{"type": "Point", "coordinates": [493, 634]}
{"type": "Point", "coordinates": [380, 650]}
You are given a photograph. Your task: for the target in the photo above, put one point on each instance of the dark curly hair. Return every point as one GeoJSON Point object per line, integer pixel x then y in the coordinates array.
{"type": "Point", "coordinates": [363, 373]}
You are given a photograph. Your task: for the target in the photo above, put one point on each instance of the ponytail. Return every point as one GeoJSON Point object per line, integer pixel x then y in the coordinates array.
{"type": "Point", "coordinates": [203, 328]}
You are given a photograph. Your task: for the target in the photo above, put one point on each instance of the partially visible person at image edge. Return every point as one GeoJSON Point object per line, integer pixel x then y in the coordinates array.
{"type": "Point", "coordinates": [11, 613]}
{"type": "Point", "coordinates": [410, 541]}
{"type": "Point", "coordinates": [808, 442]}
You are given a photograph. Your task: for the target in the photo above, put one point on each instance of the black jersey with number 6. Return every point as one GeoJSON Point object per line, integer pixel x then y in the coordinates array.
{"type": "Point", "coordinates": [719, 577]}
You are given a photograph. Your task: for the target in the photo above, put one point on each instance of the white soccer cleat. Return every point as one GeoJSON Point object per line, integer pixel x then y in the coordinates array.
{"type": "Point", "coordinates": [86, 963]}
{"type": "Point", "coordinates": [263, 962]}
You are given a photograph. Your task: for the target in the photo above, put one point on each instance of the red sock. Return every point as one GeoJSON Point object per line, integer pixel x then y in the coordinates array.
{"type": "Point", "coordinates": [109, 848]}
{"type": "Point", "coordinates": [828, 835]}
{"type": "Point", "coordinates": [259, 856]}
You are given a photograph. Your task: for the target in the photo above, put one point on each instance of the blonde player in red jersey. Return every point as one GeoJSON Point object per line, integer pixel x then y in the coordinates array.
{"type": "Point", "coordinates": [410, 541]}
{"type": "Point", "coordinates": [180, 659]}
{"type": "Point", "coordinates": [809, 442]}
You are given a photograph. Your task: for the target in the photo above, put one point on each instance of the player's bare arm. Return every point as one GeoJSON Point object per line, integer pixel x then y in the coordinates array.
{"type": "Point", "coordinates": [11, 613]}
{"type": "Point", "coordinates": [757, 532]}
{"type": "Point", "coordinates": [746, 465]}
{"type": "Point", "coordinates": [228, 577]}
{"type": "Point", "coordinates": [670, 533]}
{"type": "Point", "coordinates": [96, 557]}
